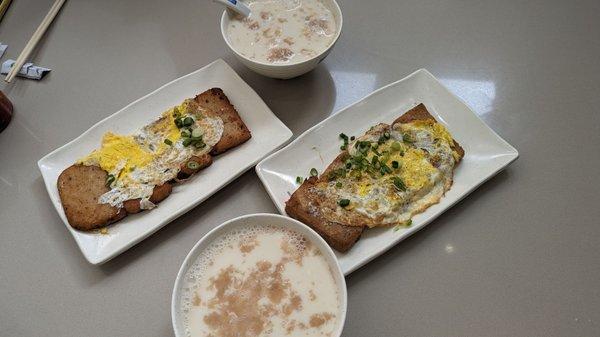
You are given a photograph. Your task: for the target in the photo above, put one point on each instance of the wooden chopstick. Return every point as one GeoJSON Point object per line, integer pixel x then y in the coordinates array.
{"type": "Point", "coordinates": [35, 38]}
{"type": "Point", "coordinates": [3, 7]}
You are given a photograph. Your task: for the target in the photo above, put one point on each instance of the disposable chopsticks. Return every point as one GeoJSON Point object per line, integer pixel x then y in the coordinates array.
{"type": "Point", "coordinates": [35, 38]}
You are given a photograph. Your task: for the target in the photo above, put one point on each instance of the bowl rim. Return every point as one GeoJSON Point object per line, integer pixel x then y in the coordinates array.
{"type": "Point", "coordinates": [324, 247]}
{"type": "Point", "coordinates": [336, 8]}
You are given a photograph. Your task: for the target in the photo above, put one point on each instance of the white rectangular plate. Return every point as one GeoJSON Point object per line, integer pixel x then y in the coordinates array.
{"type": "Point", "coordinates": [486, 153]}
{"type": "Point", "coordinates": [268, 134]}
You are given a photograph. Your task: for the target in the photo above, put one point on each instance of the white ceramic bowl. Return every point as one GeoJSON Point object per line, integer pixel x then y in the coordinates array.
{"type": "Point", "coordinates": [258, 219]}
{"type": "Point", "coordinates": [285, 71]}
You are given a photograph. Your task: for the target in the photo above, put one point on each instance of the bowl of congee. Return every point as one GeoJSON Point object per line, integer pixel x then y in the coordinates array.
{"type": "Point", "coordinates": [283, 38]}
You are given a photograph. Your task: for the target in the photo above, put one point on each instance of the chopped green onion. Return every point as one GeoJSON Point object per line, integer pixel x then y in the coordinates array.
{"type": "Point", "coordinates": [344, 137]}
{"type": "Point", "coordinates": [168, 141]}
{"type": "Point", "coordinates": [385, 169]}
{"type": "Point", "coordinates": [110, 179]}
{"type": "Point", "coordinates": [395, 164]}
{"type": "Point", "coordinates": [178, 123]}
{"type": "Point", "coordinates": [403, 225]}
{"type": "Point", "coordinates": [299, 180]}
{"type": "Point", "coordinates": [344, 202]}
{"type": "Point", "coordinates": [338, 184]}
{"type": "Point", "coordinates": [185, 133]}
{"type": "Point", "coordinates": [348, 164]}
{"type": "Point", "coordinates": [314, 172]}
{"type": "Point", "coordinates": [187, 142]}
{"type": "Point", "coordinates": [406, 138]}
{"type": "Point", "coordinates": [199, 144]}
{"type": "Point", "coordinates": [188, 121]}
{"type": "Point", "coordinates": [396, 146]}
{"type": "Point", "coordinates": [386, 135]}
{"type": "Point", "coordinates": [399, 184]}
{"type": "Point", "coordinates": [343, 147]}
{"type": "Point", "coordinates": [197, 132]}
{"type": "Point", "coordinates": [192, 165]}
{"type": "Point", "coordinates": [352, 138]}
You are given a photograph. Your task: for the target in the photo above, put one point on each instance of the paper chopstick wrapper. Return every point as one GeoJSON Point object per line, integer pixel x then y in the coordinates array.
{"type": "Point", "coordinates": [28, 70]}
{"type": "Point", "coordinates": [2, 49]}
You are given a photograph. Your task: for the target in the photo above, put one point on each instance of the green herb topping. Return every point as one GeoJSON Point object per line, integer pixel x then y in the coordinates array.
{"type": "Point", "coordinates": [343, 202]}
{"type": "Point", "coordinates": [192, 165]}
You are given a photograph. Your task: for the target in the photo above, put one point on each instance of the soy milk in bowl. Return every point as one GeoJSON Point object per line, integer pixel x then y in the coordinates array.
{"type": "Point", "coordinates": [283, 38]}
{"type": "Point", "coordinates": [260, 275]}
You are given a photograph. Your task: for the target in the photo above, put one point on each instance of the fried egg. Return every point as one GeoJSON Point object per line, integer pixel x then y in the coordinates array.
{"type": "Point", "coordinates": [152, 155]}
{"type": "Point", "coordinates": [392, 173]}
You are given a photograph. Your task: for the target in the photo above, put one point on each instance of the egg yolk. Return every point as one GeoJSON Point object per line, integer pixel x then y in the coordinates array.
{"type": "Point", "coordinates": [166, 128]}
{"type": "Point", "coordinates": [416, 170]}
{"type": "Point", "coordinates": [115, 149]}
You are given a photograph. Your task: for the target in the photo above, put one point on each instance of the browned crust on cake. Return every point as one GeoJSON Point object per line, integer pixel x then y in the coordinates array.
{"type": "Point", "coordinates": [304, 206]}
{"type": "Point", "coordinates": [308, 206]}
{"type": "Point", "coordinates": [79, 188]}
{"type": "Point", "coordinates": [235, 132]}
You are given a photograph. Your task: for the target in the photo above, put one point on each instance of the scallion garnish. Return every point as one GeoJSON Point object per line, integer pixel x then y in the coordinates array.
{"type": "Point", "coordinates": [188, 121]}
{"type": "Point", "coordinates": [385, 169]}
{"type": "Point", "coordinates": [197, 132]}
{"type": "Point", "coordinates": [110, 179]}
{"type": "Point", "coordinates": [395, 164]}
{"type": "Point", "coordinates": [299, 180]}
{"type": "Point", "coordinates": [168, 141]}
{"type": "Point", "coordinates": [344, 202]}
{"type": "Point", "coordinates": [314, 172]}
{"type": "Point", "coordinates": [399, 184]}
{"type": "Point", "coordinates": [186, 133]}
{"type": "Point", "coordinates": [193, 165]}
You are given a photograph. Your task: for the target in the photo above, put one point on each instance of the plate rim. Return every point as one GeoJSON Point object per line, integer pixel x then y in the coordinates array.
{"type": "Point", "coordinates": [511, 155]}
{"type": "Point", "coordinates": [97, 259]}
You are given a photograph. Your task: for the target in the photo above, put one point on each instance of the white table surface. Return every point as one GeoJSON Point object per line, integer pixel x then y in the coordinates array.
{"type": "Point", "coordinates": [518, 257]}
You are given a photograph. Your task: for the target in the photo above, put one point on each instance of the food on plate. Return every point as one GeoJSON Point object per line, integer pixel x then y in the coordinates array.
{"type": "Point", "coordinates": [260, 281]}
{"type": "Point", "coordinates": [283, 31]}
{"type": "Point", "coordinates": [130, 173]}
{"type": "Point", "coordinates": [381, 178]}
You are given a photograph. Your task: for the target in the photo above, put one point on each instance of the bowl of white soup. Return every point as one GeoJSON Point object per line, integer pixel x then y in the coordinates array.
{"type": "Point", "coordinates": [260, 275]}
{"type": "Point", "coordinates": [283, 38]}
